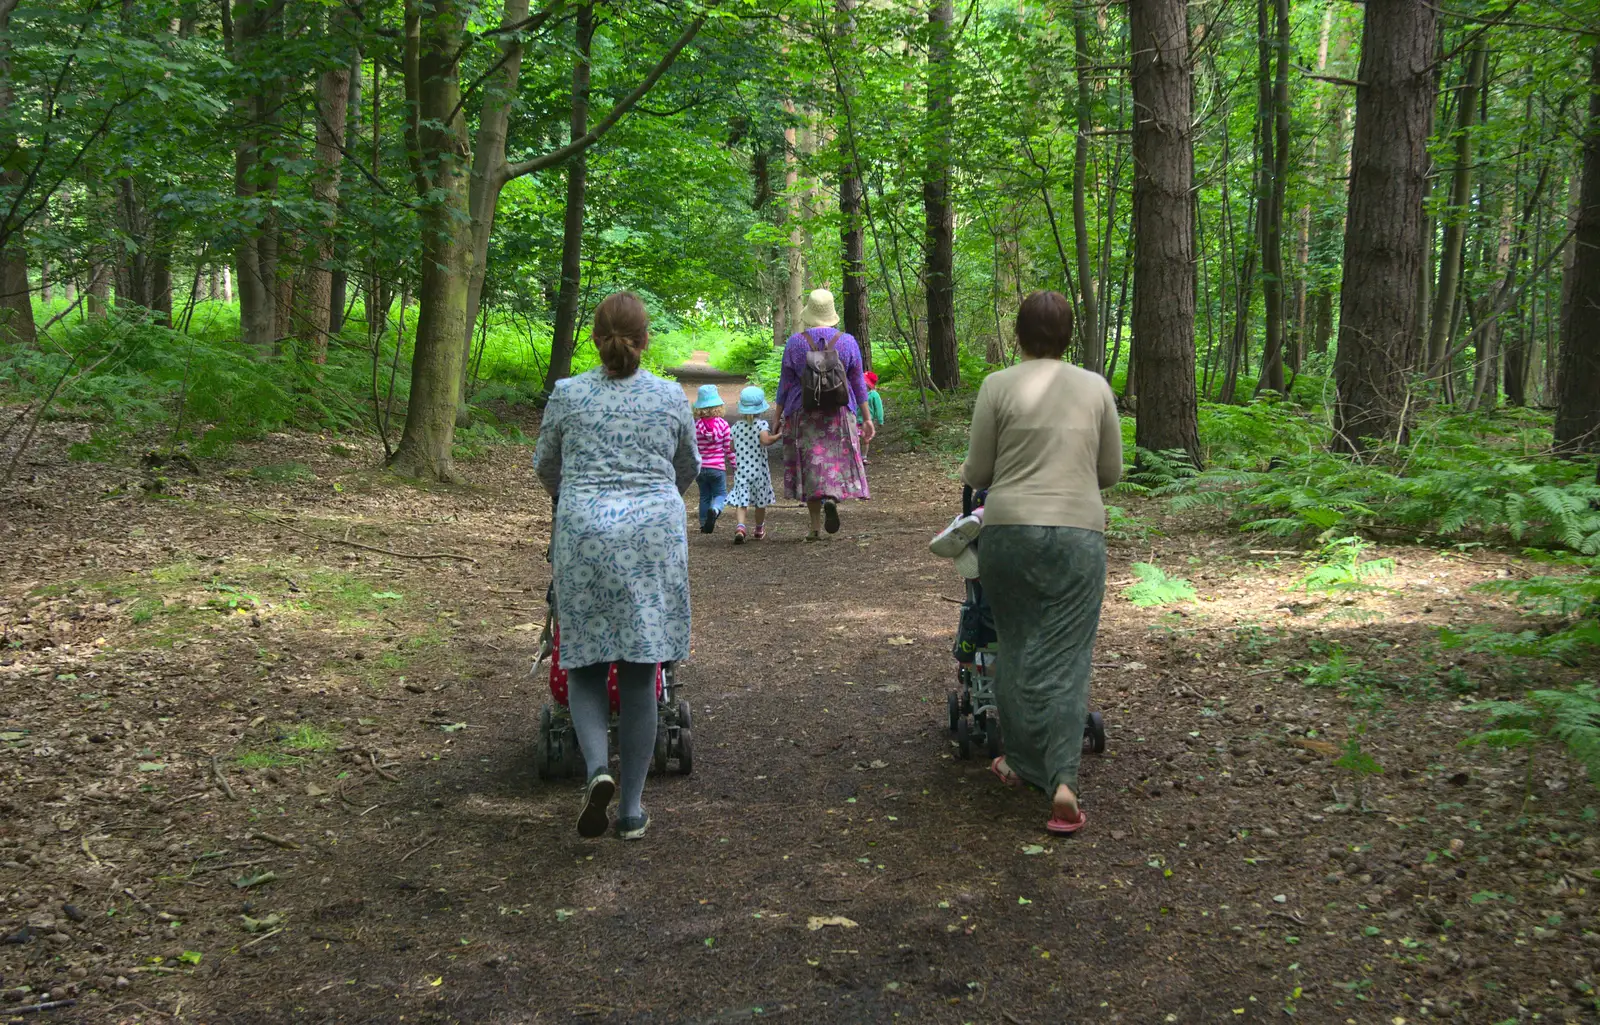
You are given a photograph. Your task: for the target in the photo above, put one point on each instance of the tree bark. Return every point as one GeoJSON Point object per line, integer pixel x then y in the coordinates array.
{"type": "Point", "coordinates": [1578, 386]}
{"type": "Point", "coordinates": [564, 339]}
{"type": "Point", "coordinates": [1274, 179]}
{"type": "Point", "coordinates": [944, 365]}
{"type": "Point", "coordinates": [256, 182]}
{"type": "Point", "coordinates": [794, 276]}
{"type": "Point", "coordinates": [315, 298]}
{"type": "Point", "coordinates": [1384, 247]}
{"type": "Point", "coordinates": [1455, 228]}
{"type": "Point", "coordinates": [339, 278]}
{"type": "Point", "coordinates": [16, 301]}
{"type": "Point", "coordinates": [1091, 342]}
{"type": "Point", "coordinates": [1163, 178]}
{"type": "Point", "coordinates": [434, 41]}
{"type": "Point", "coordinates": [852, 230]}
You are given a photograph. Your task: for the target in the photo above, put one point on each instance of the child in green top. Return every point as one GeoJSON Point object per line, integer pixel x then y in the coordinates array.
{"type": "Point", "coordinates": [874, 408]}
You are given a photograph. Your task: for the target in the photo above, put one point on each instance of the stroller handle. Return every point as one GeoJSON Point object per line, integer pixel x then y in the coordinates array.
{"type": "Point", "coordinates": [966, 499]}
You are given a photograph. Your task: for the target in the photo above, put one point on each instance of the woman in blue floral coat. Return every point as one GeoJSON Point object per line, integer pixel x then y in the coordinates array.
{"type": "Point", "coordinates": [617, 445]}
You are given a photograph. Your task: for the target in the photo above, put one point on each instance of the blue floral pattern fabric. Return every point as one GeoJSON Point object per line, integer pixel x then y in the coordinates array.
{"type": "Point", "coordinates": [620, 453]}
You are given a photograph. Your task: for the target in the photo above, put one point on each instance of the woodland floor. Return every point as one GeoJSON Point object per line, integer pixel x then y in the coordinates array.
{"type": "Point", "coordinates": [386, 838]}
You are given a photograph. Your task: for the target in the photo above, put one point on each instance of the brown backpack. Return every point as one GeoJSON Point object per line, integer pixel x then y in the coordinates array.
{"type": "Point", "coordinates": [822, 382]}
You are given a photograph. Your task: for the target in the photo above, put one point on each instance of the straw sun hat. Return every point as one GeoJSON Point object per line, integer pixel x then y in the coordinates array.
{"type": "Point", "coordinates": [818, 311]}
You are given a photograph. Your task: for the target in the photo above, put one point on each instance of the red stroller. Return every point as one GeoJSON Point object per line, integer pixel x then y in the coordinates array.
{"type": "Point", "coordinates": [556, 751]}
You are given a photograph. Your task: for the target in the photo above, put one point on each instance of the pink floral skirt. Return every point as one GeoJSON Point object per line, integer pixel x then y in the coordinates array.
{"type": "Point", "coordinates": [822, 457]}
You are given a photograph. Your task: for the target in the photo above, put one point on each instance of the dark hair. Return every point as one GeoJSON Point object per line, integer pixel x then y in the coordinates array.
{"type": "Point", "coordinates": [621, 332]}
{"type": "Point", "coordinates": [1044, 325]}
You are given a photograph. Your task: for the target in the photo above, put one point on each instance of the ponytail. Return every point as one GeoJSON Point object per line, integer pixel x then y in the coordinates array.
{"type": "Point", "coordinates": [621, 333]}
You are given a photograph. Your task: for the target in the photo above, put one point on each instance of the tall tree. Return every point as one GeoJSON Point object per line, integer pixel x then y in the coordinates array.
{"type": "Point", "coordinates": [315, 300]}
{"type": "Point", "coordinates": [1274, 128]}
{"type": "Point", "coordinates": [944, 365]}
{"type": "Point", "coordinates": [436, 129]}
{"type": "Point", "coordinates": [253, 25]}
{"type": "Point", "coordinates": [1578, 386]}
{"type": "Point", "coordinates": [1384, 247]}
{"type": "Point", "coordinates": [1457, 219]}
{"type": "Point", "coordinates": [564, 338]}
{"type": "Point", "coordinates": [1163, 228]}
{"type": "Point", "coordinates": [16, 300]}
{"type": "Point", "coordinates": [852, 228]}
{"type": "Point", "coordinates": [1091, 343]}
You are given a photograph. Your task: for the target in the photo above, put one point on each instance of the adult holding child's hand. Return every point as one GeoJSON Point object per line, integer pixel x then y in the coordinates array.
{"type": "Point", "coordinates": [819, 390]}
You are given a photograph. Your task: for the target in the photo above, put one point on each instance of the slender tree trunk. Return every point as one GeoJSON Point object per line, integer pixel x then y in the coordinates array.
{"type": "Point", "coordinates": [1486, 370]}
{"type": "Point", "coordinates": [944, 365]}
{"type": "Point", "coordinates": [795, 254]}
{"type": "Point", "coordinates": [566, 326]}
{"type": "Point", "coordinates": [852, 230]}
{"type": "Point", "coordinates": [256, 181]}
{"type": "Point", "coordinates": [1091, 343]}
{"type": "Point", "coordinates": [1275, 173]}
{"type": "Point", "coordinates": [1578, 401]}
{"type": "Point", "coordinates": [315, 298]}
{"type": "Point", "coordinates": [339, 278]}
{"type": "Point", "coordinates": [1163, 288]}
{"type": "Point", "coordinates": [435, 40]}
{"type": "Point", "coordinates": [1457, 219]}
{"type": "Point", "coordinates": [1384, 248]}
{"type": "Point", "coordinates": [99, 289]}
{"type": "Point", "coordinates": [16, 300]}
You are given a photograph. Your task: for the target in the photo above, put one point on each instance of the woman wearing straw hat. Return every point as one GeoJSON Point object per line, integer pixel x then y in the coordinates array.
{"type": "Point", "coordinates": [819, 390]}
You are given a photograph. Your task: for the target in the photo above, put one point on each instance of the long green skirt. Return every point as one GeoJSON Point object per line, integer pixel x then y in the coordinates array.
{"type": "Point", "coordinates": [1045, 586]}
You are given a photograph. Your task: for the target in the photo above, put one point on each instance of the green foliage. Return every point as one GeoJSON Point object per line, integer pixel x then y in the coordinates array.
{"type": "Point", "coordinates": [1155, 587]}
{"type": "Point", "coordinates": [1341, 568]}
{"type": "Point", "coordinates": [1569, 716]}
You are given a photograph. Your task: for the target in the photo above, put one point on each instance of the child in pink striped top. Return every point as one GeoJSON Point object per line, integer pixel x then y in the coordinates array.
{"type": "Point", "coordinates": [715, 440]}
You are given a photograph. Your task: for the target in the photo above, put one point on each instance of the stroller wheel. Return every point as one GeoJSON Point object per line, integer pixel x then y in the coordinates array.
{"type": "Point", "coordinates": [954, 701]}
{"type": "Point", "coordinates": [660, 763]}
{"type": "Point", "coordinates": [991, 737]}
{"type": "Point", "coordinates": [685, 715]}
{"type": "Point", "coordinates": [685, 751]}
{"type": "Point", "coordinates": [571, 758]}
{"type": "Point", "coordinates": [1094, 733]}
{"type": "Point", "coordinates": [963, 737]}
{"type": "Point", "coordinates": [541, 746]}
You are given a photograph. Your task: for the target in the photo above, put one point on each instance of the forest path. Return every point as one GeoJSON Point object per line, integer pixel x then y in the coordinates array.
{"type": "Point", "coordinates": [829, 858]}
{"type": "Point", "coordinates": [698, 370]}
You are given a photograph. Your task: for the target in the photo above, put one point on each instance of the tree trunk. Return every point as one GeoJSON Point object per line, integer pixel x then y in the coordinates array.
{"type": "Point", "coordinates": [1486, 370]}
{"type": "Point", "coordinates": [435, 39]}
{"type": "Point", "coordinates": [1091, 343]}
{"type": "Point", "coordinates": [1578, 387]}
{"type": "Point", "coordinates": [315, 299]}
{"type": "Point", "coordinates": [256, 182]}
{"type": "Point", "coordinates": [1274, 179]}
{"type": "Point", "coordinates": [1384, 247]}
{"type": "Point", "coordinates": [794, 256]}
{"type": "Point", "coordinates": [564, 339]}
{"type": "Point", "coordinates": [99, 298]}
{"type": "Point", "coordinates": [339, 279]}
{"type": "Point", "coordinates": [1455, 228]}
{"type": "Point", "coordinates": [852, 230]}
{"type": "Point", "coordinates": [944, 366]}
{"type": "Point", "coordinates": [16, 301]}
{"type": "Point", "coordinates": [1163, 178]}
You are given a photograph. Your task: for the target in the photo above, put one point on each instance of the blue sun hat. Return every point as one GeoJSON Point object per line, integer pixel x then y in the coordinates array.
{"type": "Point", "coordinates": [709, 397]}
{"type": "Point", "coordinates": [752, 401]}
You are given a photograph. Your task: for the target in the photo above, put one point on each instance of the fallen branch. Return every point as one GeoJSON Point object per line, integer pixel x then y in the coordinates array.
{"type": "Point", "coordinates": [373, 758]}
{"type": "Point", "coordinates": [276, 841]}
{"type": "Point", "coordinates": [48, 1005]}
{"type": "Point", "coordinates": [425, 844]}
{"type": "Point", "coordinates": [227, 788]}
{"type": "Point", "coordinates": [357, 544]}
{"type": "Point", "coordinates": [263, 936]}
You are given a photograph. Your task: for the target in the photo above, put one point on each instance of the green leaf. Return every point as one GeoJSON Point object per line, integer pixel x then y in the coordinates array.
{"type": "Point", "coordinates": [190, 957]}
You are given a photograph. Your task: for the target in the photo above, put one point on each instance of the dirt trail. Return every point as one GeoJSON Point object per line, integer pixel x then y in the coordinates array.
{"type": "Point", "coordinates": [829, 859]}
{"type": "Point", "coordinates": [698, 370]}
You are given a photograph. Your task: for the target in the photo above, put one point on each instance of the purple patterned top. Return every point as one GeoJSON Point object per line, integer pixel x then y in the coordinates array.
{"type": "Point", "coordinates": [790, 400]}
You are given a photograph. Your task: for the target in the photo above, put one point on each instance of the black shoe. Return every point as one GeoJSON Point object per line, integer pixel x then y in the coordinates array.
{"type": "Point", "coordinates": [596, 798]}
{"type": "Point", "coordinates": [830, 517]}
{"type": "Point", "coordinates": [709, 524]}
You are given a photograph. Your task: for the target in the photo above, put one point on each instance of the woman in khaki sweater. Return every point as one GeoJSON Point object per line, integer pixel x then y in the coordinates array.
{"type": "Point", "coordinates": [1045, 440]}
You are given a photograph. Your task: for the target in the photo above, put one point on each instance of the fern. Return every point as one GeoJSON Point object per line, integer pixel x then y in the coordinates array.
{"type": "Point", "coordinates": [1343, 569]}
{"type": "Point", "coordinates": [1571, 717]}
{"type": "Point", "coordinates": [1155, 587]}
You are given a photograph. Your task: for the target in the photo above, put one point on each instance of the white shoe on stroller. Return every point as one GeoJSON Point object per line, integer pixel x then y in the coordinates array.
{"type": "Point", "coordinates": [954, 539]}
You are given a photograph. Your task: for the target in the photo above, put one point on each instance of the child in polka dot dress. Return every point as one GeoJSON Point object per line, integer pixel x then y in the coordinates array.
{"type": "Point", "coordinates": [752, 482]}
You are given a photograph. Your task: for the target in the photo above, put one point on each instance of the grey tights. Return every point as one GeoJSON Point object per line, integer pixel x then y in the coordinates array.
{"type": "Point", "coordinates": [590, 706]}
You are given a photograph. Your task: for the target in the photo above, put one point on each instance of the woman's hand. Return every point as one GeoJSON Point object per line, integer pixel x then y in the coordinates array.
{"type": "Point", "coordinates": [868, 431]}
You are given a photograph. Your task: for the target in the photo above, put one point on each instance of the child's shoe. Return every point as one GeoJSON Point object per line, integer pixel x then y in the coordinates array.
{"type": "Point", "coordinates": [761, 531]}
{"type": "Point", "coordinates": [709, 524]}
{"type": "Point", "coordinates": [738, 534]}
{"type": "Point", "coordinates": [961, 532]}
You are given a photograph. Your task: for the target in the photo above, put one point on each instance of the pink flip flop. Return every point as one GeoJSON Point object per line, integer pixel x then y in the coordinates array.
{"type": "Point", "coordinates": [1061, 827]}
{"type": "Point", "coordinates": [1009, 779]}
